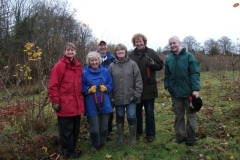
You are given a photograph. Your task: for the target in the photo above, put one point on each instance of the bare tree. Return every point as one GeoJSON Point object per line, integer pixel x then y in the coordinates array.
{"type": "Point", "coordinates": [159, 50]}
{"type": "Point", "coordinates": [191, 44]}
{"type": "Point", "coordinates": [211, 47]}
{"type": "Point", "coordinates": [225, 44]}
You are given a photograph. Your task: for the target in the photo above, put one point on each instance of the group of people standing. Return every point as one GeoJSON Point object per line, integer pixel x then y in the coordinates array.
{"type": "Point", "coordinates": [127, 82]}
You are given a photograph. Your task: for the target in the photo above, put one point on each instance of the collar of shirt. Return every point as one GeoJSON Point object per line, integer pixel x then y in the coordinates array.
{"type": "Point", "coordinates": [104, 58]}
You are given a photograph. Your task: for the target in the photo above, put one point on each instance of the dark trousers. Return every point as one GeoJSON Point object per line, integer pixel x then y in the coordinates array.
{"type": "Point", "coordinates": [68, 128]}
{"type": "Point", "coordinates": [184, 128]}
{"type": "Point", "coordinates": [149, 117]}
{"type": "Point", "coordinates": [98, 129]}
{"type": "Point", "coordinates": [110, 123]}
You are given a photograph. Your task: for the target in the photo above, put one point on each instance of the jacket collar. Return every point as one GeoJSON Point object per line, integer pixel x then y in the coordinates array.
{"type": "Point", "coordinates": [180, 53]}
{"type": "Point", "coordinates": [143, 52]}
{"type": "Point", "coordinates": [125, 60]}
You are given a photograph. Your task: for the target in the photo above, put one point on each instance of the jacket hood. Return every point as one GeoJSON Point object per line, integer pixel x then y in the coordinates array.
{"type": "Point", "coordinates": [125, 60]}
{"type": "Point", "coordinates": [66, 60]}
{"type": "Point", "coordinates": [89, 69]}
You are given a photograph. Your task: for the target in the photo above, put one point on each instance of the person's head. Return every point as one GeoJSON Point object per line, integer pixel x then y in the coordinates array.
{"type": "Point", "coordinates": [120, 51]}
{"type": "Point", "coordinates": [139, 41]}
{"type": "Point", "coordinates": [70, 50]}
{"type": "Point", "coordinates": [93, 60]}
{"type": "Point", "coordinates": [175, 43]}
{"type": "Point", "coordinates": [102, 48]}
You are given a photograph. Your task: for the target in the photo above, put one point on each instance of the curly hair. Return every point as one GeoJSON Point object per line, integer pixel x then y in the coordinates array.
{"type": "Point", "coordinates": [137, 36]}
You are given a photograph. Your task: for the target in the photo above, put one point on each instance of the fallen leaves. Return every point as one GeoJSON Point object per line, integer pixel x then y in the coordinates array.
{"type": "Point", "coordinates": [108, 156]}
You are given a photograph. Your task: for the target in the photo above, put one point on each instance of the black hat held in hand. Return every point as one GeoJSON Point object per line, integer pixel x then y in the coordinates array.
{"type": "Point", "coordinates": [197, 103]}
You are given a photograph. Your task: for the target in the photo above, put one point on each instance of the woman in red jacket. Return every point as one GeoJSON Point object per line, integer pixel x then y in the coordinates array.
{"type": "Point", "coordinates": [65, 92]}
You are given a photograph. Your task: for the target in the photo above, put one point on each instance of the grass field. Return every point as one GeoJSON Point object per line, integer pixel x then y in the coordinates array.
{"type": "Point", "coordinates": [217, 130]}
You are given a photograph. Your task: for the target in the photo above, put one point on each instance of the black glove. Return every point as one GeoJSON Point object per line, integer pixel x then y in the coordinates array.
{"type": "Point", "coordinates": [150, 61]}
{"type": "Point", "coordinates": [134, 99]}
{"type": "Point", "coordinates": [112, 102]}
{"type": "Point", "coordinates": [56, 107]}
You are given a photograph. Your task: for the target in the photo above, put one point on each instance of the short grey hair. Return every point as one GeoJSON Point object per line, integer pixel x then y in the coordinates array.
{"type": "Point", "coordinates": [175, 38]}
{"type": "Point", "coordinates": [93, 54]}
{"type": "Point", "coordinates": [120, 46]}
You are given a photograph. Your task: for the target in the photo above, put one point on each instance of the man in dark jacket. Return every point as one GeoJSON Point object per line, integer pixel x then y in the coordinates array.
{"type": "Point", "coordinates": [107, 59]}
{"type": "Point", "coordinates": [148, 62]}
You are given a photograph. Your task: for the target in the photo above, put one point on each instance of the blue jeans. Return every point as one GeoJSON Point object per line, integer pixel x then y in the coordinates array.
{"type": "Point", "coordinates": [149, 119]}
{"type": "Point", "coordinates": [131, 113]}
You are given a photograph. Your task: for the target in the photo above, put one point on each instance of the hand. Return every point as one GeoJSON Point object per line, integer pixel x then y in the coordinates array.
{"type": "Point", "coordinates": [134, 99]}
{"type": "Point", "coordinates": [102, 88]}
{"type": "Point", "coordinates": [195, 93]}
{"type": "Point", "coordinates": [56, 107]}
{"type": "Point", "coordinates": [92, 89]}
{"type": "Point", "coordinates": [150, 61]}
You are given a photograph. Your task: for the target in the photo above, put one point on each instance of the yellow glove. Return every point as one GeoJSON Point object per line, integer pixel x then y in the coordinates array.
{"type": "Point", "coordinates": [102, 88]}
{"type": "Point", "coordinates": [92, 89]}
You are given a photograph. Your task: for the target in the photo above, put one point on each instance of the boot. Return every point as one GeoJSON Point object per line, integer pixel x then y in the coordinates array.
{"type": "Point", "coordinates": [132, 131]}
{"type": "Point", "coordinates": [120, 130]}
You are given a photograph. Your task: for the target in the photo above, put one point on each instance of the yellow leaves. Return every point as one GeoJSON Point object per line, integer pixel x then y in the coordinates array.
{"type": "Point", "coordinates": [45, 149]}
{"type": "Point", "coordinates": [35, 55]}
{"type": "Point", "coordinates": [57, 20]}
{"type": "Point", "coordinates": [236, 4]}
{"type": "Point", "coordinates": [84, 25]}
{"type": "Point", "coordinates": [108, 156]}
{"type": "Point", "coordinates": [23, 71]}
{"type": "Point", "coordinates": [33, 52]}
{"type": "Point", "coordinates": [96, 40]}
{"type": "Point", "coordinates": [232, 158]}
{"type": "Point", "coordinates": [28, 46]}
{"type": "Point", "coordinates": [25, 74]}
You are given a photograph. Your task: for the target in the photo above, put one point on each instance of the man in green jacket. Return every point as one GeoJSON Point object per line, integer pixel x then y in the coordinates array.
{"type": "Point", "coordinates": [182, 79]}
{"type": "Point", "coordinates": [148, 62]}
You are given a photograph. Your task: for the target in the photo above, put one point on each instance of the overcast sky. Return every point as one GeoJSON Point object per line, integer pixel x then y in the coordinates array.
{"type": "Point", "coordinates": [116, 21]}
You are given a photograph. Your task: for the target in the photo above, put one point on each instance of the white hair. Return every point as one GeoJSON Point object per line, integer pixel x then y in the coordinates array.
{"type": "Point", "coordinates": [175, 38]}
{"type": "Point", "coordinates": [93, 54]}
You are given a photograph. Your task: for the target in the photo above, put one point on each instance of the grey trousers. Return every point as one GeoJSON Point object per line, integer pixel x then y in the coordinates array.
{"type": "Point", "coordinates": [184, 130]}
{"type": "Point", "coordinates": [98, 129]}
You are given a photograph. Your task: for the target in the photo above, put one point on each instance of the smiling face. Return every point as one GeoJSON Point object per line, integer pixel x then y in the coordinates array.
{"type": "Point", "coordinates": [70, 52]}
{"type": "Point", "coordinates": [174, 45]}
{"type": "Point", "coordinates": [102, 48]}
{"type": "Point", "coordinates": [139, 43]}
{"type": "Point", "coordinates": [120, 53]}
{"type": "Point", "coordinates": [94, 63]}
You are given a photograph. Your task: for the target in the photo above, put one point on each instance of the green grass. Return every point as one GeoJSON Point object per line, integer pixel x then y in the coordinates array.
{"type": "Point", "coordinates": [217, 130]}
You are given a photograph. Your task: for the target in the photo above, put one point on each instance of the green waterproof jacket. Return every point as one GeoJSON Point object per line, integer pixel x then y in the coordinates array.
{"type": "Point", "coordinates": [182, 74]}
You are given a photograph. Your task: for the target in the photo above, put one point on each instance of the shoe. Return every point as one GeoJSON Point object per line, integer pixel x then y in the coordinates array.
{"type": "Point", "coordinates": [189, 143]}
{"type": "Point", "coordinates": [93, 149]}
{"type": "Point", "coordinates": [76, 154]}
{"type": "Point", "coordinates": [150, 138]}
{"type": "Point", "coordinates": [178, 141]}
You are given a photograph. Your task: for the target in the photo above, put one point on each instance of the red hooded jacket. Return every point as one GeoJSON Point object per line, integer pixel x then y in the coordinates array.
{"type": "Point", "coordinates": [65, 87]}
